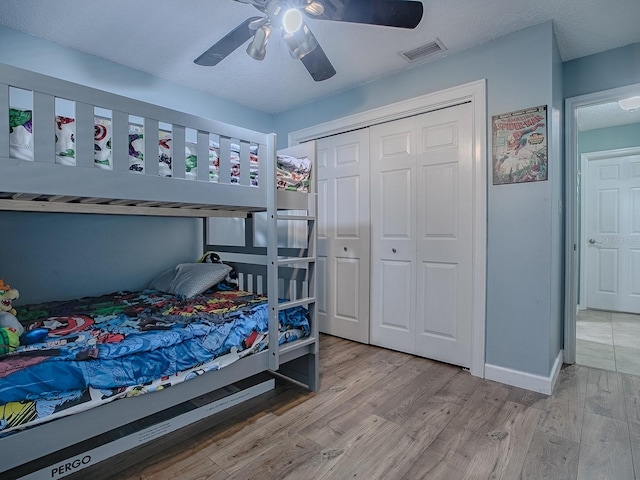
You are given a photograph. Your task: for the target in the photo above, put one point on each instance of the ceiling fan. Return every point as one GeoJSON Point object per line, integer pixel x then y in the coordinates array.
{"type": "Point", "coordinates": [287, 16]}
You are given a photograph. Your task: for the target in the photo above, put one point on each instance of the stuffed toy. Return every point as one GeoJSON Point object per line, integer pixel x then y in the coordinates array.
{"type": "Point", "coordinates": [12, 332]}
{"type": "Point", "coordinates": [7, 312]}
{"type": "Point", "coordinates": [10, 327]}
{"type": "Point", "coordinates": [230, 282]}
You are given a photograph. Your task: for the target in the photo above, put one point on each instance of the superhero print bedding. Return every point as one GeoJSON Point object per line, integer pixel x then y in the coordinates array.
{"type": "Point", "coordinates": [103, 348]}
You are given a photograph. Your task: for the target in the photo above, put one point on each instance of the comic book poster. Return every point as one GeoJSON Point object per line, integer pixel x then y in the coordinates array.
{"type": "Point", "coordinates": [520, 146]}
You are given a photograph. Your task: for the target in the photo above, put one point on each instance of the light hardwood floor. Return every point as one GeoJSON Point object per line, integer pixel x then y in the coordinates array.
{"type": "Point", "coordinates": [381, 414]}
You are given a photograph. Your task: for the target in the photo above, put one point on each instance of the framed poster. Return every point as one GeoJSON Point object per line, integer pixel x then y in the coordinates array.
{"type": "Point", "coordinates": [520, 146]}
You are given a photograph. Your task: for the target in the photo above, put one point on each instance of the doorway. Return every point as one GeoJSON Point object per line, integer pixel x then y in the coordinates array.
{"type": "Point", "coordinates": [602, 324]}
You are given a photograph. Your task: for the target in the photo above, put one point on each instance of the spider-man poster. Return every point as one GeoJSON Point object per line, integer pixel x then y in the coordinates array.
{"type": "Point", "coordinates": [520, 146]}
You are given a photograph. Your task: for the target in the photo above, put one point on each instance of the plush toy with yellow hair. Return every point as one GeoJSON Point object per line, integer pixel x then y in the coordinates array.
{"type": "Point", "coordinates": [10, 327]}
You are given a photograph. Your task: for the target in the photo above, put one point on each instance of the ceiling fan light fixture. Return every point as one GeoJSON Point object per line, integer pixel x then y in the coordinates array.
{"type": "Point", "coordinates": [314, 8]}
{"type": "Point", "coordinates": [291, 20]}
{"type": "Point", "coordinates": [630, 104]}
{"type": "Point", "coordinates": [257, 49]}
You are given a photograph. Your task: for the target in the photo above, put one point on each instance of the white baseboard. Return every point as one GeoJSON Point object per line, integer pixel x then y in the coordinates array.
{"type": "Point", "coordinates": [528, 381]}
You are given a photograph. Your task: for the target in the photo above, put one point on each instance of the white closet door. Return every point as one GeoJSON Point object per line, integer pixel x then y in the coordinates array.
{"type": "Point", "coordinates": [343, 235]}
{"type": "Point", "coordinates": [393, 243]}
{"type": "Point", "coordinates": [422, 242]}
{"type": "Point", "coordinates": [445, 235]}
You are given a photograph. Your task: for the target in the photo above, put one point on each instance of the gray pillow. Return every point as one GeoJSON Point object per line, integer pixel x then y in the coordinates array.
{"type": "Point", "coordinates": [162, 281]}
{"type": "Point", "coordinates": [190, 279]}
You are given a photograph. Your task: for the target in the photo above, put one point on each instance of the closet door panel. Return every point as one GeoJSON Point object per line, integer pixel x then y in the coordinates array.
{"type": "Point", "coordinates": [395, 202]}
{"type": "Point", "coordinates": [346, 290]}
{"type": "Point", "coordinates": [394, 291]}
{"type": "Point", "coordinates": [439, 318]}
{"type": "Point", "coordinates": [445, 243]}
{"type": "Point", "coordinates": [343, 172]}
{"type": "Point", "coordinates": [393, 230]}
{"type": "Point", "coordinates": [440, 209]}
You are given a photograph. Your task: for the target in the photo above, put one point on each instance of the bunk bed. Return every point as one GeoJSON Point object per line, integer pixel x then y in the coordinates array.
{"type": "Point", "coordinates": [54, 158]}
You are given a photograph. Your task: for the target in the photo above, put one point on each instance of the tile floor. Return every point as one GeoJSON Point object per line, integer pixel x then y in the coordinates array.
{"type": "Point", "coordinates": [608, 340]}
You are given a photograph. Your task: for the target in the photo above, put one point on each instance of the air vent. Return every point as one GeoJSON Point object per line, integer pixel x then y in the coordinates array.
{"type": "Point", "coordinates": [423, 51]}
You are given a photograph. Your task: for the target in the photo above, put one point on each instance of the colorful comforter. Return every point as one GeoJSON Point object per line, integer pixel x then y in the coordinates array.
{"type": "Point", "coordinates": [102, 348]}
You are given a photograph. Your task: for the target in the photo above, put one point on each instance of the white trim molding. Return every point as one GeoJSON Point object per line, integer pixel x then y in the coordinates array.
{"type": "Point", "coordinates": [528, 381]}
{"type": "Point", "coordinates": [474, 93]}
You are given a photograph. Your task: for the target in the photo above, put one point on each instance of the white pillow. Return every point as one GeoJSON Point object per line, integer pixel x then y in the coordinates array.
{"type": "Point", "coordinates": [190, 279]}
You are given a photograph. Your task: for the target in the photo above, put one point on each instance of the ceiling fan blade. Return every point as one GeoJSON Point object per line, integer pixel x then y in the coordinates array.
{"type": "Point", "coordinates": [390, 13]}
{"type": "Point", "coordinates": [318, 65]}
{"type": "Point", "coordinates": [227, 44]}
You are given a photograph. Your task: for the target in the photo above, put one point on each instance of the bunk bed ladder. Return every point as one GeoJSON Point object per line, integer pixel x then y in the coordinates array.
{"type": "Point", "coordinates": [304, 368]}
{"type": "Point", "coordinates": [301, 368]}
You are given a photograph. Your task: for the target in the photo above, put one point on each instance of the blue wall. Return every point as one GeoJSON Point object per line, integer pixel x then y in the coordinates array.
{"type": "Point", "coordinates": [623, 136]}
{"type": "Point", "coordinates": [611, 69]}
{"type": "Point", "coordinates": [38, 55]}
{"type": "Point", "coordinates": [62, 256]}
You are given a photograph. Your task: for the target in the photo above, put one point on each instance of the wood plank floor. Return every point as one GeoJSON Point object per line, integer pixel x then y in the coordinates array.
{"type": "Point", "coordinates": [381, 414]}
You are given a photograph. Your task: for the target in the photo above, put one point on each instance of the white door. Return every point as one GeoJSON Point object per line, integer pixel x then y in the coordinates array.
{"type": "Point", "coordinates": [393, 228]}
{"type": "Point", "coordinates": [612, 235]}
{"type": "Point", "coordinates": [422, 235]}
{"type": "Point", "coordinates": [343, 235]}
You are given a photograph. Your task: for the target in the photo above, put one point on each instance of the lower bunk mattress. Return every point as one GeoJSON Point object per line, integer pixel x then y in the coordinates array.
{"type": "Point", "coordinates": [99, 349]}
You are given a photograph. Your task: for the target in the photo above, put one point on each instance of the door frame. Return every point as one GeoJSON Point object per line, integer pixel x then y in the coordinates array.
{"type": "Point", "coordinates": [585, 160]}
{"type": "Point", "coordinates": [474, 93]}
{"type": "Point", "coordinates": [571, 261]}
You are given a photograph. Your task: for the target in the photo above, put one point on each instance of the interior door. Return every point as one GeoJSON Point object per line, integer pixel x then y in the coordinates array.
{"type": "Point", "coordinates": [444, 237]}
{"type": "Point", "coordinates": [393, 242]}
{"type": "Point", "coordinates": [422, 234]}
{"type": "Point", "coordinates": [612, 240]}
{"type": "Point", "coordinates": [343, 235]}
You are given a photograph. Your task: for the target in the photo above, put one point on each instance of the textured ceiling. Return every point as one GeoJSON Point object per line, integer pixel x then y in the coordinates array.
{"type": "Point", "coordinates": [162, 37]}
{"type": "Point", "coordinates": [605, 115]}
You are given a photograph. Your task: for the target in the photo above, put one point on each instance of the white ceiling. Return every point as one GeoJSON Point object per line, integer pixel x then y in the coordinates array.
{"type": "Point", "coordinates": [163, 37]}
{"type": "Point", "coordinates": [605, 115]}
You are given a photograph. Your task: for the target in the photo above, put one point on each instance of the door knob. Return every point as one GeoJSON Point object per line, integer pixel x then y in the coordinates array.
{"type": "Point", "coordinates": [592, 241]}
{"type": "Point", "coordinates": [393, 250]}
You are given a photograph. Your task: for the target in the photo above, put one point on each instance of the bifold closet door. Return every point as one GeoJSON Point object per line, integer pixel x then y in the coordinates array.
{"type": "Point", "coordinates": [393, 235]}
{"type": "Point", "coordinates": [343, 235]}
{"type": "Point", "coordinates": [422, 234]}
